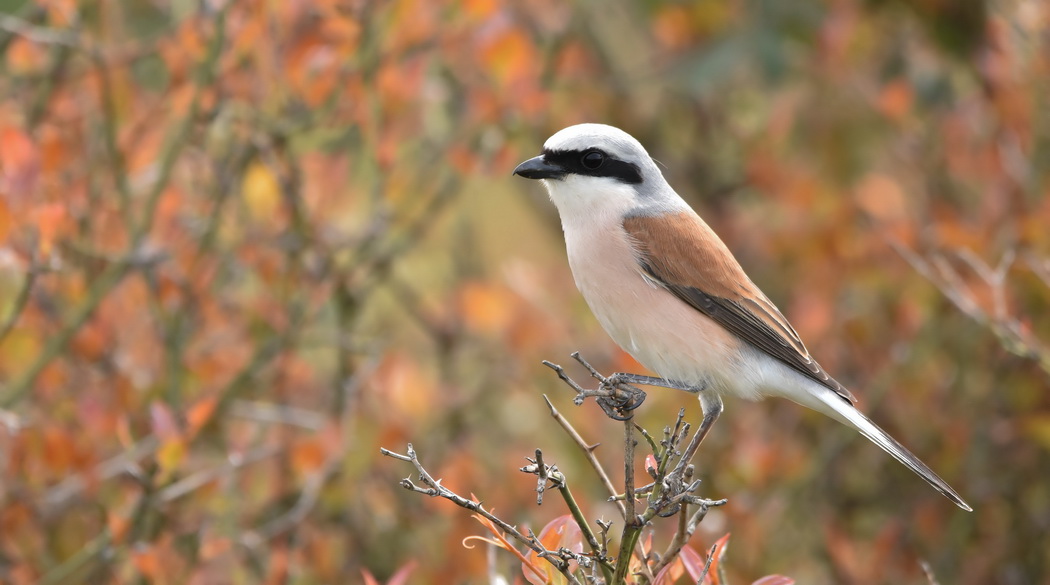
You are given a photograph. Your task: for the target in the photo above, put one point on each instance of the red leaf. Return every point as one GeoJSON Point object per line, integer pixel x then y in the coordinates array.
{"type": "Point", "coordinates": [775, 580]}
{"type": "Point", "coordinates": [694, 564]}
{"type": "Point", "coordinates": [369, 579]}
{"type": "Point", "coordinates": [669, 574]}
{"type": "Point", "coordinates": [720, 550]}
{"type": "Point", "coordinates": [163, 422]}
{"type": "Point", "coordinates": [401, 576]}
{"type": "Point", "coordinates": [650, 462]}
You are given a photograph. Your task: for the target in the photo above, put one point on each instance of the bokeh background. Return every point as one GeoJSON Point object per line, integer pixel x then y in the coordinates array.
{"type": "Point", "coordinates": [245, 244]}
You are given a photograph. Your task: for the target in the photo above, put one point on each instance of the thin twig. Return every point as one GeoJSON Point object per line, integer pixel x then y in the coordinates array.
{"type": "Point", "coordinates": [1011, 334]}
{"type": "Point", "coordinates": [588, 453]}
{"type": "Point", "coordinates": [707, 565]}
{"type": "Point", "coordinates": [308, 498]}
{"type": "Point", "coordinates": [278, 413]}
{"type": "Point", "coordinates": [686, 528]}
{"type": "Point", "coordinates": [22, 298]}
{"type": "Point", "coordinates": [202, 478]}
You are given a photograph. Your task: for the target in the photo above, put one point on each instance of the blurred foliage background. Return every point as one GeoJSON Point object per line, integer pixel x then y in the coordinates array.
{"type": "Point", "coordinates": [244, 244]}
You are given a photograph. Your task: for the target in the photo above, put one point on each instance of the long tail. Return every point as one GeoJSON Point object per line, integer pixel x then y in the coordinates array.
{"type": "Point", "coordinates": [834, 406]}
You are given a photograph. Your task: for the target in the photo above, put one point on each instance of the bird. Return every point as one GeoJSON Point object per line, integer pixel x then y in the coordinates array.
{"type": "Point", "coordinates": [668, 291]}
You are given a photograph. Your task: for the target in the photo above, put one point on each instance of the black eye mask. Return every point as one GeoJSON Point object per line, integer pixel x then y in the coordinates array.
{"type": "Point", "coordinates": [593, 162]}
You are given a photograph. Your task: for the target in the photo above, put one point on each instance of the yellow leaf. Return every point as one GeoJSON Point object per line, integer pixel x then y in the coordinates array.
{"type": "Point", "coordinates": [1038, 429]}
{"type": "Point", "coordinates": [170, 455]}
{"type": "Point", "coordinates": [261, 191]}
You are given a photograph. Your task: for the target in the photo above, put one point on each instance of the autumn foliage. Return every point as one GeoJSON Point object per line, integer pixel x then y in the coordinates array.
{"type": "Point", "coordinates": [245, 244]}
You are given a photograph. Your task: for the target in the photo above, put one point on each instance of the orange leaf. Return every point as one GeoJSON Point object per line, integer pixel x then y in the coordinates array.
{"type": "Point", "coordinates": [895, 99]}
{"type": "Point", "coordinates": [409, 392]}
{"type": "Point", "coordinates": [59, 449]}
{"type": "Point", "coordinates": [510, 56]}
{"type": "Point", "coordinates": [118, 526]}
{"type": "Point", "coordinates": [200, 413]}
{"type": "Point", "coordinates": [147, 561]}
{"type": "Point", "coordinates": [25, 57]}
{"type": "Point", "coordinates": [7, 221]}
{"type": "Point", "coordinates": [19, 164]}
{"type": "Point", "coordinates": [562, 532]}
{"type": "Point", "coordinates": [487, 308]}
{"type": "Point", "coordinates": [50, 220]}
{"type": "Point", "coordinates": [308, 455]}
{"type": "Point", "coordinates": [500, 541]}
{"type": "Point", "coordinates": [882, 198]}
{"type": "Point", "coordinates": [479, 9]}
{"type": "Point", "coordinates": [92, 341]}
{"type": "Point", "coordinates": [214, 547]}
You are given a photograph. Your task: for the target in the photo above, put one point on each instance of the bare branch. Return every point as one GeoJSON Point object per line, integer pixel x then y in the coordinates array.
{"type": "Point", "coordinates": [39, 34]}
{"type": "Point", "coordinates": [928, 571]}
{"type": "Point", "coordinates": [1013, 336]}
{"type": "Point", "coordinates": [435, 489]}
{"type": "Point", "coordinates": [278, 413]}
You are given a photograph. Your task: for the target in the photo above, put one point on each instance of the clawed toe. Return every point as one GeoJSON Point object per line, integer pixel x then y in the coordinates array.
{"type": "Point", "coordinates": [625, 398]}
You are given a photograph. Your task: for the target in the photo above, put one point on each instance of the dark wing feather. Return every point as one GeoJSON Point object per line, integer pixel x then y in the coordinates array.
{"type": "Point", "coordinates": [746, 325]}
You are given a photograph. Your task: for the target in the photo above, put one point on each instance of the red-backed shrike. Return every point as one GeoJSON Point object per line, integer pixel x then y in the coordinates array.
{"type": "Point", "coordinates": [671, 294]}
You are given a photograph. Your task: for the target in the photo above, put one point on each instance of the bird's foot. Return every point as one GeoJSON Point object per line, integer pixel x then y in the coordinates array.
{"type": "Point", "coordinates": [619, 398]}
{"type": "Point", "coordinates": [615, 394]}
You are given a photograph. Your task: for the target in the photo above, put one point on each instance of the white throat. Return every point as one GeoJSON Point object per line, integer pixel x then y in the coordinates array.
{"type": "Point", "coordinates": [586, 203]}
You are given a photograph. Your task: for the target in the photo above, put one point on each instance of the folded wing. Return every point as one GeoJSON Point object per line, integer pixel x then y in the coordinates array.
{"type": "Point", "coordinates": [682, 254]}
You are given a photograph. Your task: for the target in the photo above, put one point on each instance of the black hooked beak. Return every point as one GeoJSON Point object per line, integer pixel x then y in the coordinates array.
{"type": "Point", "coordinates": [537, 168]}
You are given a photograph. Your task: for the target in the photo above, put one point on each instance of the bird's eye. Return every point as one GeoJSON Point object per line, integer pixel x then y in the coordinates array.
{"type": "Point", "coordinates": [592, 160]}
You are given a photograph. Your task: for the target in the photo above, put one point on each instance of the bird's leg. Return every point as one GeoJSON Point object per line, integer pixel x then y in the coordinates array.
{"type": "Point", "coordinates": [674, 483]}
{"type": "Point", "coordinates": [626, 378]}
{"type": "Point", "coordinates": [711, 404]}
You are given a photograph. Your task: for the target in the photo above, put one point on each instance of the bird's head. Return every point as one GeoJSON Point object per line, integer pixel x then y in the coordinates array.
{"type": "Point", "coordinates": [598, 169]}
